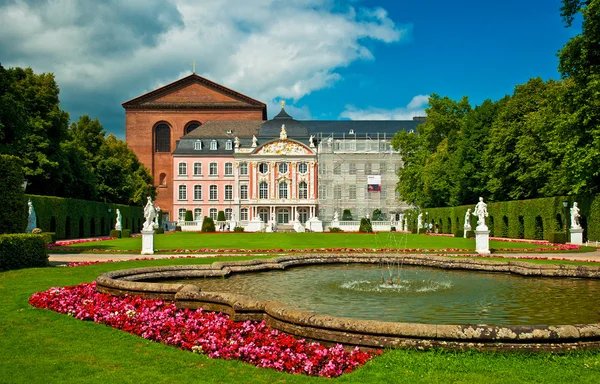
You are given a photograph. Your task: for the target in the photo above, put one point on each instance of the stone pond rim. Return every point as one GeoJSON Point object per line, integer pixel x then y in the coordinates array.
{"type": "Point", "coordinates": [356, 332]}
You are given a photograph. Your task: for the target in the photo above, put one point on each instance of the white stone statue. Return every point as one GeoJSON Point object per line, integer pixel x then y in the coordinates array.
{"type": "Point", "coordinates": [254, 141]}
{"type": "Point", "coordinates": [311, 141]}
{"type": "Point", "coordinates": [156, 217]}
{"type": "Point", "coordinates": [481, 212]}
{"type": "Point", "coordinates": [32, 218]}
{"type": "Point", "coordinates": [468, 219]}
{"type": "Point", "coordinates": [236, 141]}
{"type": "Point", "coordinates": [297, 220]}
{"type": "Point", "coordinates": [335, 216]}
{"type": "Point", "coordinates": [420, 221]}
{"type": "Point", "coordinates": [406, 224]}
{"type": "Point", "coordinates": [119, 223]}
{"type": "Point", "coordinates": [575, 217]}
{"type": "Point", "coordinates": [283, 133]}
{"type": "Point", "coordinates": [150, 215]}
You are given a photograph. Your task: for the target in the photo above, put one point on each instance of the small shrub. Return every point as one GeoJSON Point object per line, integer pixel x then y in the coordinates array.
{"type": "Point", "coordinates": [115, 233]}
{"type": "Point", "coordinates": [238, 229]}
{"type": "Point", "coordinates": [159, 231]}
{"type": "Point", "coordinates": [365, 225]}
{"type": "Point", "coordinates": [189, 216]}
{"type": "Point", "coordinates": [557, 237]}
{"type": "Point", "coordinates": [178, 228]}
{"type": "Point", "coordinates": [126, 233]}
{"type": "Point", "coordinates": [208, 225]}
{"type": "Point", "coordinates": [347, 215]}
{"type": "Point", "coordinates": [470, 234]}
{"type": "Point", "coordinates": [459, 233]}
{"type": "Point", "coordinates": [50, 237]}
{"type": "Point", "coordinates": [22, 251]}
{"type": "Point", "coordinates": [335, 229]}
{"type": "Point", "coordinates": [221, 216]}
{"type": "Point", "coordinates": [393, 229]}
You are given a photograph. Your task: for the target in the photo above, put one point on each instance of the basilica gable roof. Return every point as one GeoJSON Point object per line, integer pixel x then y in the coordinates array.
{"type": "Point", "coordinates": [194, 92]}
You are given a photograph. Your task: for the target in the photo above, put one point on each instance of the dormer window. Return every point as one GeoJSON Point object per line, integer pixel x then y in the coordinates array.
{"type": "Point", "coordinates": [197, 145]}
{"type": "Point", "coordinates": [213, 145]}
{"type": "Point", "coordinates": [351, 132]}
{"type": "Point", "coordinates": [229, 131]}
{"type": "Point", "coordinates": [228, 145]}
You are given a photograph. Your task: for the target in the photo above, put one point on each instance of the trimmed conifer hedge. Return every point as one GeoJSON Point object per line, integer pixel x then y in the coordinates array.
{"type": "Point", "coordinates": [13, 205]}
{"type": "Point", "coordinates": [74, 218]}
{"type": "Point", "coordinates": [525, 219]}
{"type": "Point", "coordinates": [20, 250]}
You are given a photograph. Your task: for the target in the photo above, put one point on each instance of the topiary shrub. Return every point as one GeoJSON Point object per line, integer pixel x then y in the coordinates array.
{"type": "Point", "coordinates": [115, 233]}
{"type": "Point", "coordinates": [335, 229]}
{"type": "Point", "coordinates": [189, 216]}
{"type": "Point", "coordinates": [459, 234]}
{"type": "Point", "coordinates": [13, 206]}
{"type": "Point", "coordinates": [365, 225]}
{"type": "Point", "coordinates": [347, 215]}
{"type": "Point", "coordinates": [49, 237]}
{"type": "Point", "coordinates": [393, 229]}
{"type": "Point", "coordinates": [238, 229]}
{"type": "Point", "coordinates": [126, 233]}
{"type": "Point", "coordinates": [557, 237]}
{"type": "Point", "coordinates": [22, 251]}
{"type": "Point", "coordinates": [378, 215]}
{"type": "Point", "coordinates": [221, 216]}
{"type": "Point", "coordinates": [208, 224]}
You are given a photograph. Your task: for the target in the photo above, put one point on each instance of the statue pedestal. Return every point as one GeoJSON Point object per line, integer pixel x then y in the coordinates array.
{"type": "Point", "coordinates": [335, 223]}
{"type": "Point", "coordinates": [482, 240]}
{"type": "Point", "coordinates": [314, 224]}
{"type": "Point", "coordinates": [147, 241]}
{"type": "Point", "coordinates": [255, 225]}
{"type": "Point", "coordinates": [298, 227]}
{"type": "Point", "coordinates": [576, 236]}
{"type": "Point", "coordinates": [232, 225]}
{"type": "Point", "coordinates": [466, 229]}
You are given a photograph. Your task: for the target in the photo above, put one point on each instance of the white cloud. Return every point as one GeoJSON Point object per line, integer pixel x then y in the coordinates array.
{"type": "Point", "coordinates": [267, 49]}
{"type": "Point", "coordinates": [416, 107]}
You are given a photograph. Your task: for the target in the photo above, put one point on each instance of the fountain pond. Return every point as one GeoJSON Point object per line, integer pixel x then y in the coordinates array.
{"type": "Point", "coordinates": [389, 301]}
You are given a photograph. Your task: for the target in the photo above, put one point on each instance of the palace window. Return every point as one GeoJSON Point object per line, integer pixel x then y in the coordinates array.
{"type": "Point", "coordinates": [212, 169]}
{"type": "Point", "coordinates": [283, 167]}
{"type": "Point", "coordinates": [244, 214]}
{"type": "Point", "coordinates": [382, 168]}
{"type": "Point", "coordinates": [263, 168]}
{"type": "Point", "coordinates": [352, 169]}
{"type": "Point", "coordinates": [228, 169]}
{"type": "Point", "coordinates": [368, 145]}
{"type": "Point", "coordinates": [302, 190]}
{"type": "Point", "coordinates": [197, 192]}
{"type": "Point", "coordinates": [337, 168]}
{"type": "Point", "coordinates": [322, 191]}
{"type": "Point", "coordinates": [229, 192]}
{"type": "Point", "coordinates": [228, 145]}
{"type": "Point", "coordinates": [302, 168]}
{"type": "Point", "coordinates": [337, 192]}
{"type": "Point", "coordinates": [197, 169]}
{"type": "Point", "coordinates": [197, 214]}
{"type": "Point", "coordinates": [182, 192]}
{"type": "Point", "coordinates": [213, 145]}
{"type": "Point", "coordinates": [228, 213]}
{"type": "Point", "coordinates": [213, 213]}
{"type": "Point", "coordinates": [163, 138]}
{"type": "Point", "coordinates": [243, 168]}
{"type": "Point", "coordinates": [352, 145]}
{"type": "Point", "coordinates": [182, 169]}
{"type": "Point", "coordinates": [323, 169]}
{"type": "Point", "coordinates": [263, 190]}
{"type": "Point", "coordinates": [244, 192]}
{"type": "Point", "coordinates": [191, 127]}
{"type": "Point", "coordinates": [283, 190]}
{"type": "Point", "coordinates": [181, 214]}
{"type": "Point", "coordinates": [352, 192]}
{"type": "Point", "coordinates": [197, 145]}
{"type": "Point", "coordinates": [213, 192]}
{"type": "Point", "coordinates": [368, 170]}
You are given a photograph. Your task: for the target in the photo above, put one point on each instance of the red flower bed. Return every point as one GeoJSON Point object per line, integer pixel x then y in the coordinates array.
{"type": "Point", "coordinates": [209, 333]}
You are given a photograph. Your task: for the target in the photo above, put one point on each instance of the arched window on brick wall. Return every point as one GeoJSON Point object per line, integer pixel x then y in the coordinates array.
{"type": "Point", "coordinates": [191, 126]}
{"type": "Point", "coordinates": [163, 138]}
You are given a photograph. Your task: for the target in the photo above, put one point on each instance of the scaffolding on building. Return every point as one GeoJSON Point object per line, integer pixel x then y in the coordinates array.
{"type": "Point", "coordinates": [345, 160]}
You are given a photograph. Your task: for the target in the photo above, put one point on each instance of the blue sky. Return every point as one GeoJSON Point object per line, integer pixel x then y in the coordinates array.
{"type": "Point", "coordinates": [372, 59]}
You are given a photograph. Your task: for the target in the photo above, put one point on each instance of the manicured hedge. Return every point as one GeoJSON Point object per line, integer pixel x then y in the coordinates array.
{"type": "Point", "coordinates": [73, 218]}
{"type": "Point", "coordinates": [208, 224]}
{"type": "Point", "coordinates": [529, 219]}
{"type": "Point", "coordinates": [13, 205]}
{"type": "Point", "coordinates": [21, 250]}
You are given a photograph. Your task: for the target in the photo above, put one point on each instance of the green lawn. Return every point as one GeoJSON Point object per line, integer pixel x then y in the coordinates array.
{"type": "Point", "coordinates": [286, 241]}
{"type": "Point", "coordinates": [39, 346]}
